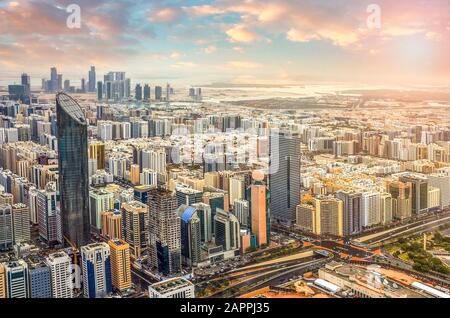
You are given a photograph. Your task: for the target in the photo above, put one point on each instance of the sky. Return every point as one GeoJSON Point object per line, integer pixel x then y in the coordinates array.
{"type": "Point", "coordinates": [279, 42]}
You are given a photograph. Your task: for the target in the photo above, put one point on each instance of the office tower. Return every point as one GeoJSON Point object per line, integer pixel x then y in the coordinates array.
{"type": "Point", "coordinates": [100, 201]}
{"type": "Point", "coordinates": [284, 178]}
{"type": "Point", "coordinates": [135, 224]}
{"type": "Point", "coordinates": [188, 196]}
{"type": "Point", "coordinates": [241, 211]}
{"type": "Point", "coordinates": [40, 278]}
{"type": "Point", "coordinates": [178, 287]}
{"type": "Point", "coordinates": [112, 224]}
{"type": "Point", "coordinates": [99, 90]}
{"type": "Point", "coordinates": [226, 230]}
{"type": "Point", "coordinates": [165, 241]}
{"type": "Point", "coordinates": [147, 92]}
{"type": "Point", "coordinates": [419, 194]}
{"type": "Point", "coordinates": [138, 92]}
{"type": "Point", "coordinates": [92, 79]}
{"type": "Point", "coordinates": [73, 170]}
{"type": "Point", "coordinates": [329, 216]}
{"type": "Point", "coordinates": [385, 208]}
{"type": "Point", "coordinates": [49, 224]}
{"type": "Point", "coordinates": [2, 282]}
{"type": "Point", "coordinates": [401, 199]}
{"type": "Point", "coordinates": [120, 264]}
{"type": "Point", "coordinates": [206, 221]}
{"type": "Point", "coordinates": [216, 200]}
{"type": "Point", "coordinates": [21, 223]}
{"type": "Point", "coordinates": [53, 80]}
{"type": "Point", "coordinates": [17, 279]}
{"type": "Point", "coordinates": [6, 226]}
{"type": "Point", "coordinates": [370, 207]}
{"type": "Point", "coordinates": [158, 93]}
{"type": "Point", "coordinates": [259, 212]}
{"type": "Point", "coordinates": [61, 268]}
{"type": "Point", "coordinates": [190, 235]}
{"type": "Point", "coordinates": [96, 265]}
{"type": "Point", "coordinates": [83, 85]}
{"type": "Point", "coordinates": [26, 82]}
{"type": "Point", "coordinates": [60, 82]}
{"type": "Point", "coordinates": [97, 152]}
{"type": "Point", "coordinates": [167, 92]}
{"type": "Point", "coordinates": [352, 211]}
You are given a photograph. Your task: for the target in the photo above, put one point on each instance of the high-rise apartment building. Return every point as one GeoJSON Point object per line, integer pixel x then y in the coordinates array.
{"type": "Point", "coordinates": [120, 264]}
{"type": "Point", "coordinates": [352, 211]}
{"type": "Point", "coordinates": [419, 194]}
{"type": "Point", "coordinates": [135, 225]}
{"type": "Point", "coordinates": [100, 201]}
{"type": "Point", "coordinates": [401, 199]}
{"type": "Point", "coordinates": [112, 224]}
{"type": "Point", "coordinates": [61, 268]}
{"type": "Point", "coordinates": [6, 227]}
{"type": "Point", "coordinates": [96, 266]}
{"type": "Point", "coordinates": [21, 223]}
{"type": "Point", "coordinates": [165, 233]}
{"type": "Point", "coordinates": [73, 170]}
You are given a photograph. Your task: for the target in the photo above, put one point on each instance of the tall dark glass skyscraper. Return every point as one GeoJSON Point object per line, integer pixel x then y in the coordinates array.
{"type": "Point", "coordinates": [284, 176]}
{"type": "Point", "coordinates": [73, 170]}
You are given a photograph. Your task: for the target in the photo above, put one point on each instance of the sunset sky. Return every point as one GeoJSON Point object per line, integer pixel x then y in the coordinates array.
{"type": "Point", "coordinates": [252, 41]}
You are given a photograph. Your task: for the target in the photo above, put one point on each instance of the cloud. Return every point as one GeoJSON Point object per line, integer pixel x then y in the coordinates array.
{"type": "Point", "coordinates": [244, 64]}
{"type": "Point", "coordinates": [239, 33]}
{"type": "Point", "coordinates": [209, 49]}
{"type": "Point", "coordinates": [165, 15]}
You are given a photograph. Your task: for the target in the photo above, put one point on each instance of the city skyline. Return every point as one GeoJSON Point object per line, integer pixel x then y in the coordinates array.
{"type": "Point", "coordinates": [253, 41]}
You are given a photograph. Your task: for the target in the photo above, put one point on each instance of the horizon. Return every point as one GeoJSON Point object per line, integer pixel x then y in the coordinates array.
{"type": "Point", "coordinates": [251, 42]}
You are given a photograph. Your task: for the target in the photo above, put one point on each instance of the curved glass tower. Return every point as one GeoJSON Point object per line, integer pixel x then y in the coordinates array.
{"type": "Point", "coordinates": [73, 170]}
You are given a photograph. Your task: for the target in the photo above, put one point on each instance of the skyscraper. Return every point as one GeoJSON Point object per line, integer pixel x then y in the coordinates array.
{"type": "Point", "coordinates": [60, 267]}
{"type": "Point", "coordinates": [96, 265]}
{"type": "Point", "coordinates": [226, 230]}
{"type": "Point", "coordinates": [6, 226]}
{"type": "Point", "coordinates": [190, 235]}
{"type": "Point", "coordinates": [53, 80]}
{"type": "Point", "coordinates": [259, 212]}
{"type": "Point", "coordinates": [135, 226]}
{"type": "Point", "coordinates": [284, 178]}
{"type": "Point", "coordinates": [419, 194]}
{"type": "Point", "coordinates": [73, 170]}
{"type": "Point", "coordinates": [92, 79]}
{"type": "Point", "coordinates": [138, 92]}
{"type": "Point", "coordinates": [17, 279]}
{"type": "Point", "coordinates": [352, 211]}
{"type": "Point", "coordinates": [26, 82]}
{"type": "Point", "coordinates": [99, 90]}
{"type": "Point", "coordinates": [147, 93]}
{"type": "Point", "coordinates": [21, 223]}
{"type": "Point", "coordinates": [83, 85]}
{"type": "Point", "coordinates": [165, 240]}
{"type": "Point", "coordinates": [120, 264]}
{"type": "Point", "coordinates": [158, 93]}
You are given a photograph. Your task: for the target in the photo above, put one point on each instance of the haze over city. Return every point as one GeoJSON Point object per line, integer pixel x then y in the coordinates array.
{"type": "Point", "coordinates": [207, 150]}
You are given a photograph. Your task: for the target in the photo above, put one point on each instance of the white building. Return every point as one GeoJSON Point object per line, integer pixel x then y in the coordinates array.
{"type": "Point", "coordinates": [178, 287]}
{"type": "Point", "coordinates": [61, 268]}
{"type": "Point", "coordinates": [17, 279]}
